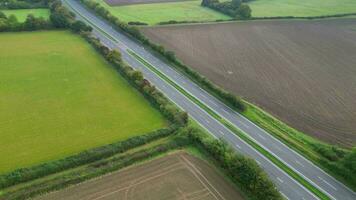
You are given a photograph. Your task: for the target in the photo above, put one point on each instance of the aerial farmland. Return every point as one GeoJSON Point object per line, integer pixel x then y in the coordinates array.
{"type": "Point", "coordinates": [177, 99]}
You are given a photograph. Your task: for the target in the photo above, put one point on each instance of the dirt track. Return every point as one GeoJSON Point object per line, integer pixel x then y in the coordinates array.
{"type": "Point", "coordinates": [128, 2]}
{"type": "Point", "coordinates": [173, 177]}
{"type": "Point", "coordinates": [303, 72]}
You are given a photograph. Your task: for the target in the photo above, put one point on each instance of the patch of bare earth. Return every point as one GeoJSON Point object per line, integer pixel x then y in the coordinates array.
{"type": "Point", "coordinates": [179, 176]}
{"type": "Point", "coordinates": [128, 2]}
{"type": "Point", "coordinates": [303, 72]}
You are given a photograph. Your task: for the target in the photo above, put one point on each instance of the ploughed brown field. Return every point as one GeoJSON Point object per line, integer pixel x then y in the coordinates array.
{"type": "Point", "coordinates": [303, 72]}
{"type": "Point", "coordinates": [173, 177]}
{"type": "Point", "coordinates": [128, 2]}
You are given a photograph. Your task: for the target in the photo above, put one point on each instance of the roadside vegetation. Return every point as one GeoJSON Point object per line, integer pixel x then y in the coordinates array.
{"type": "Point", "coordinates": [155, 13]}
{"type": "Point", "coordinates": [301, 8]}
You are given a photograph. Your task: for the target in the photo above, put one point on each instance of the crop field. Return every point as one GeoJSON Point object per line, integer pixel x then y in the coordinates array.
{"type": "Point", "coordinates": [21, 14]}
{"type": "Point", "coordinates": [301, 8]}
{"type": "Point", "coordinates": [173, 177]}
{"type": "Point", "coordinates": [59, 97]}
{"type": "Point", "coordinates": [302, 72]}
{"type": "Point", "coordinates": [161, 12]}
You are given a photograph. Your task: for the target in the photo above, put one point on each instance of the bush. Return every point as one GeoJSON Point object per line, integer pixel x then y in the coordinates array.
{"type": "Point", "coordinates": [138, 23]}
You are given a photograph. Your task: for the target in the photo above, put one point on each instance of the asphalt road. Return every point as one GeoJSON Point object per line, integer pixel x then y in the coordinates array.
{"type": "Point", "coordinates": [288, 186]}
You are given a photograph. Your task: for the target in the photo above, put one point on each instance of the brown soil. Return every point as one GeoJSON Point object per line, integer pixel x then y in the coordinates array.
{"type": "Point", "coordinates": [177, 176]}
{"type": "Point", "coordinates": [128, 2]}
{"type": "Point", "coordinates": [303, 72]}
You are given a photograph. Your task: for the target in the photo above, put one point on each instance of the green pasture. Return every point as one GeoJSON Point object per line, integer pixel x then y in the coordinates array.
{"type": "Point", "coordinates": [59, 97]}
{"type": "Point", "coordinates": [301, 8]}
{"type": "Point", "coordinates": [161, 12]}
{"type": "Point", "coordinates": [21, 14]}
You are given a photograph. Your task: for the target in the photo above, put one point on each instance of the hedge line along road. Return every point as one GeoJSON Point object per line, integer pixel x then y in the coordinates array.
{"type": "Point", "coordinates": [289, 187]}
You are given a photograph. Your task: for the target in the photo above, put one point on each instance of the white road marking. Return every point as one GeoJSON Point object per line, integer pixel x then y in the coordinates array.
{"type": "Point", "coordinates": [237, 146]}
{"type": "Point", "coordinates": [225, 112]}
{"type": "Point", "coordinates": [327, 183]}
{"type": "Point", "coordinates": [222, 133]}
{"type": "Point", "coordinates": [280, 180]}
{"type": "Point", "coordinates": [285, 196]}
{"type": "Point", "coordinates": [261, 136]}
{"type": "Point", "coordinates": [279, 149]}
{"type": "Point", "coordinates": [299, 163]}
{"type": "Point", "coordinates": [213, 103]}
{"type": "Point", "coordinates": [245, 125]}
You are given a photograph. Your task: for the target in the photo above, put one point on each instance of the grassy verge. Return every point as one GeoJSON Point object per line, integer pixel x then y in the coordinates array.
{"type": "Point", "coordinates": [232, 128]}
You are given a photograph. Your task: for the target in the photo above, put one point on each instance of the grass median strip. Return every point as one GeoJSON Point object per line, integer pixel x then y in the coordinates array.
{"type": "Point", "coordinates": [232, 128]}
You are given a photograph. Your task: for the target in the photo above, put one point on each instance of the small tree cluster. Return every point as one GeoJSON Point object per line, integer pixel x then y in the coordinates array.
{"type": "Point", "coordinates": [234, 8]}
{"type": "Point", "coordinates": [61, 17]}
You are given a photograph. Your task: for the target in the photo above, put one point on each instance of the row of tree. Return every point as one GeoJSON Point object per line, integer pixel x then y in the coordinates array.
{"type": "Point", "coordinates": [32, 23]}
{"type": "Point", "coordinates": [235, 8]}
{"type": "Point", "coordinates": [23, 4]}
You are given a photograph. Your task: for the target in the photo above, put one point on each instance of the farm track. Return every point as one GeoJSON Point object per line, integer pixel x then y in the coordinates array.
{"type": "Point", "coordinates": [300, 71]}
{"type": "Point", "coordinates": [289, 187]}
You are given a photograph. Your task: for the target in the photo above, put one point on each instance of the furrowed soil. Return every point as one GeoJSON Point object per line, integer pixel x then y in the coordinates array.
{"type": "Point", "coordinates": [128, 2]}
{"type": "Point", "coordinates": [302, 72]}
{"type": "Point", "coordinates": [176, 176]}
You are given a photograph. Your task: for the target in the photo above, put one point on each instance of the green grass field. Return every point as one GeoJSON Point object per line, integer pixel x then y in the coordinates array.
{"type": "Point", "coordinates": [21, 14]}
{"type": "Point", "coordinates": [301, 8]}
{"type": "Point", "coordinates": [59, 97]}
{"type": "Point", "coordinates": [161, 12]}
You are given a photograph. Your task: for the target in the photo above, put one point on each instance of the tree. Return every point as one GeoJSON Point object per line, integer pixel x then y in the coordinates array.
{"type": "Point", "coordinates": [2, 15]}
{"type": "Point", "coordinates": [60, 16]}
{"type": "Point", "coordinates": [114, 56]}
{"type": "Point", "coordinates": [236, 3]}
{"type": "Point", "coordinates": [79, 26]}
{"type": "Point", "coordinates": [243, 12]}
{"type": "Point", "coordinates": [3, 24]}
